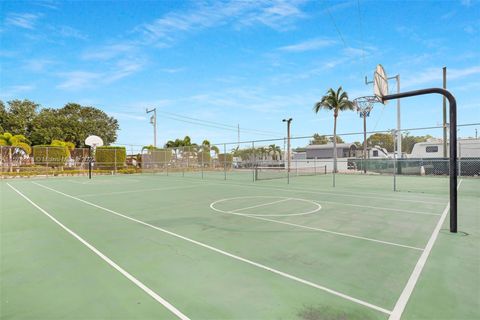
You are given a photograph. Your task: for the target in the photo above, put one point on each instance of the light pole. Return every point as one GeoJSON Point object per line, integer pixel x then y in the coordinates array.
{"type": "Point", "coordinates": [288, 121]}
{"type": "Point", "coordinates": [153, 121]}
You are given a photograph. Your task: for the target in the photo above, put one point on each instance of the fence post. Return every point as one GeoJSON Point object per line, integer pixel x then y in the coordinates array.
{"type": "Point", "coordinates": [225, 161]}
{"type": "Point", "coordinates": [333, 176]}
{"type": "Point", "coordinates": [394, 170]}
{"type": "Point", "coordinates": [115, 160]}
{"type": "Point", "coordinates": [254, 161]}
{"type": "Point", "coordinates": [46, 159]}
{"type": "Point", "coordinates": [203, 150]}
{"type": "Point", "coordinates": [459, 159]}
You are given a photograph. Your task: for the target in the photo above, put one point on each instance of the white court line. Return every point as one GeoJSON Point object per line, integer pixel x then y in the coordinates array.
{"type": "Point", "coordinates": [212, 206]}
{"type": "Point", "coordinates": [382, 208]}
{"type": "Point", "coordinates": [412, 281]}
{"type": "Point", "coordinates": [348, 194]}
{"type": "Point", "coordinates": [328, 231]}
{"type": "Point", "coordinates": [135, 191]}
{"type": "Point", "coordinates": [250, 262]}
{"type": "Point", "coordinates": [379, 197]}
{"type": "Point", "coordinates": [339, 203]}
{"type": "Point", "coordinates": [260, 205]}
{"type": "Point", "coordinates": [127, 275]}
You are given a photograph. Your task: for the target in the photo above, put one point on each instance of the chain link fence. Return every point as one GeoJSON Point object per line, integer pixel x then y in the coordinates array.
{"type": "Point", "coordinates": [263, 159]}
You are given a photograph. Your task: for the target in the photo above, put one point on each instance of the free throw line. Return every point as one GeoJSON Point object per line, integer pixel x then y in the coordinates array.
{"type": "Point", "coordinates": [127, 275]}
{"type": "Point", "coordinates": [412, 281]}
{"type": "Point", "coordinates": [225, 253]}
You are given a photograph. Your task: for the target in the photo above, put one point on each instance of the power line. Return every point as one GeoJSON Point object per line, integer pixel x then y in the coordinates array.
{"type": "Point", "coordinates": [198, 123]}
{"type": "Point", "coordinates": [336, 27]}
{"type": "Point", "coordinates": [361, 32]}
{"type": "Point", "coordinates": [202, 122]}
{"type": "Point", "coordinates": [235, 127]}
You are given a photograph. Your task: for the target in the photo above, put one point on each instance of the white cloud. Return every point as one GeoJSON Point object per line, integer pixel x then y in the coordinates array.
{"type": "Point", "coordinates": [69, 32]}
{"type": "Point", "coordinates": [434, 75]}
{"type": "Point", "coordinates": [276, 14]}
{"type": "Point", "coordinates": [37, 65]}
{"type": "Point", "coordinates": [173, 70]}
{"type": "Point", "coordinates": [124, 68]}
{"type": "Point", "coordinates": [109, 51]}
{"type": "Point", "coordinates": [22, 20]}
{"type": "Point", "coordinates": [127, 116]}
{"type": "Point", "coordinates": [78, 79]}
{"type": "Point", "coordinates": [14, 91]}
{"type": "Point", "coordinates": [309, 45]}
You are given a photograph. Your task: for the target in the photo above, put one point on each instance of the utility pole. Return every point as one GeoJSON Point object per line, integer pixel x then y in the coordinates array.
{"type": "Point", "coordinates": [399, 124]}
{"type": "Point", "coordinates": [445, 155]}
{"type": "Point", "coordinates": [288, 121]}
{"type": "Point", "coordinates": [238, 135]}
{"type": "Point", "coordinates": [153, 121]}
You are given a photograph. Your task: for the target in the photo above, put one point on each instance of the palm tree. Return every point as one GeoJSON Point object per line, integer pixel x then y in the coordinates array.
{"type": "Point", "coordinates": [274, 150]}
{"type": "Point", "coordinates": [17, 143]}
{"type": "Point", "coordinates": [335, 101]}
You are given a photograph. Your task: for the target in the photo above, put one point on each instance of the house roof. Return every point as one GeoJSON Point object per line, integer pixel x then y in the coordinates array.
{"type": "Point", "coordinates": [329, 146]}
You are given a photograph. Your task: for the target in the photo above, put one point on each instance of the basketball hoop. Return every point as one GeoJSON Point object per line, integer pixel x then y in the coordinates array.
{"type": "Point", "coordinates": [363, 105]}
{"type": "Point", "coordinates": [93, 142]}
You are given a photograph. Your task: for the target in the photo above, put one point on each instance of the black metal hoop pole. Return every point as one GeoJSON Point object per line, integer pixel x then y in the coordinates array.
{"type": "Point", "coordinates": [453, 143]}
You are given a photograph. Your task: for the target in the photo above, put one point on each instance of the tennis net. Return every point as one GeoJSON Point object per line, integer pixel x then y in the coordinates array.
{"type": "Point", "coordinates": [267, 173]}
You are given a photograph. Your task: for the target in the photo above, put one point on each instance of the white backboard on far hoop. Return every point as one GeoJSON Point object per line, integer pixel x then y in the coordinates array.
{"type": "Point", "coordinates": [94, 141]}
{"type": "Point", "coordinates": [380, 83]}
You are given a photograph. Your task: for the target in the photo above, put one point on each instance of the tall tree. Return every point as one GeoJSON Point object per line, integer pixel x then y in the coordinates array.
{"type": "Point", "coordinates": [409, 141]}
{"type": "Point", "coordinates": [318, 139]}
{"type": "Point", "coordinates": [335, 101]}
{"type": "Point", "coordinates": [274, 150]}
{"type": "Point", "coordinates": [383, 140]}
{"type": "Point", "coordinates": [47, 126]}
{"type": "Point", "coordinates": [18, 116]}
{"type": "Point", "coordinates": [72, 123]}
{"type": "Point", "coordinates": [79, 122]}
{"type": "Point", "coordinates": [3, 116]}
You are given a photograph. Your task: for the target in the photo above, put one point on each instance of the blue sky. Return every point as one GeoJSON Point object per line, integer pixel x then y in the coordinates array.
{"type": "Point", "coordinates": [251, 63]}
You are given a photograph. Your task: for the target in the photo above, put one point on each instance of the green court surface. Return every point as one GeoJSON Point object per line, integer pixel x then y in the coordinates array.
{"type": "Point", "coordinates": [179, 246]}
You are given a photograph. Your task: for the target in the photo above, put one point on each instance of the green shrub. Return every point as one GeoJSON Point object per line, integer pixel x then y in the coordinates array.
{"type": "Point", "coordinates": [127, 171]}
{"type": "Point", "coordinates": [51, 156]}
{"type": "Point", "coordinates": [110, 157]}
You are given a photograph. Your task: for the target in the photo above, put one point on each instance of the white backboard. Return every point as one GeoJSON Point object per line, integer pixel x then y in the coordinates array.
{"type": "Point", "coordinates": [94, 141]}
{"type": "Point", "coordinates": [380, 83]}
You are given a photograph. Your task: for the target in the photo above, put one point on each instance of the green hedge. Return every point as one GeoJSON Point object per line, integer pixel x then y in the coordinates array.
{"type": "Point", "coordinates": [110, 157]}
{"type": "Point", "coordinates": [51, 156]}
{"type": "Point", "coordinates": [66, 172]}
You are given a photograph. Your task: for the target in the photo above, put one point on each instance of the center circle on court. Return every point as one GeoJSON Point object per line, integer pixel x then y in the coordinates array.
{"type": "Point", "coordinates": [256, 202]}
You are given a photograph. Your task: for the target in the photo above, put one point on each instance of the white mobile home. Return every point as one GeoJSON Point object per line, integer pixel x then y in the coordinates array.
{"type": "Point", "coordinates": [433, 148]}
